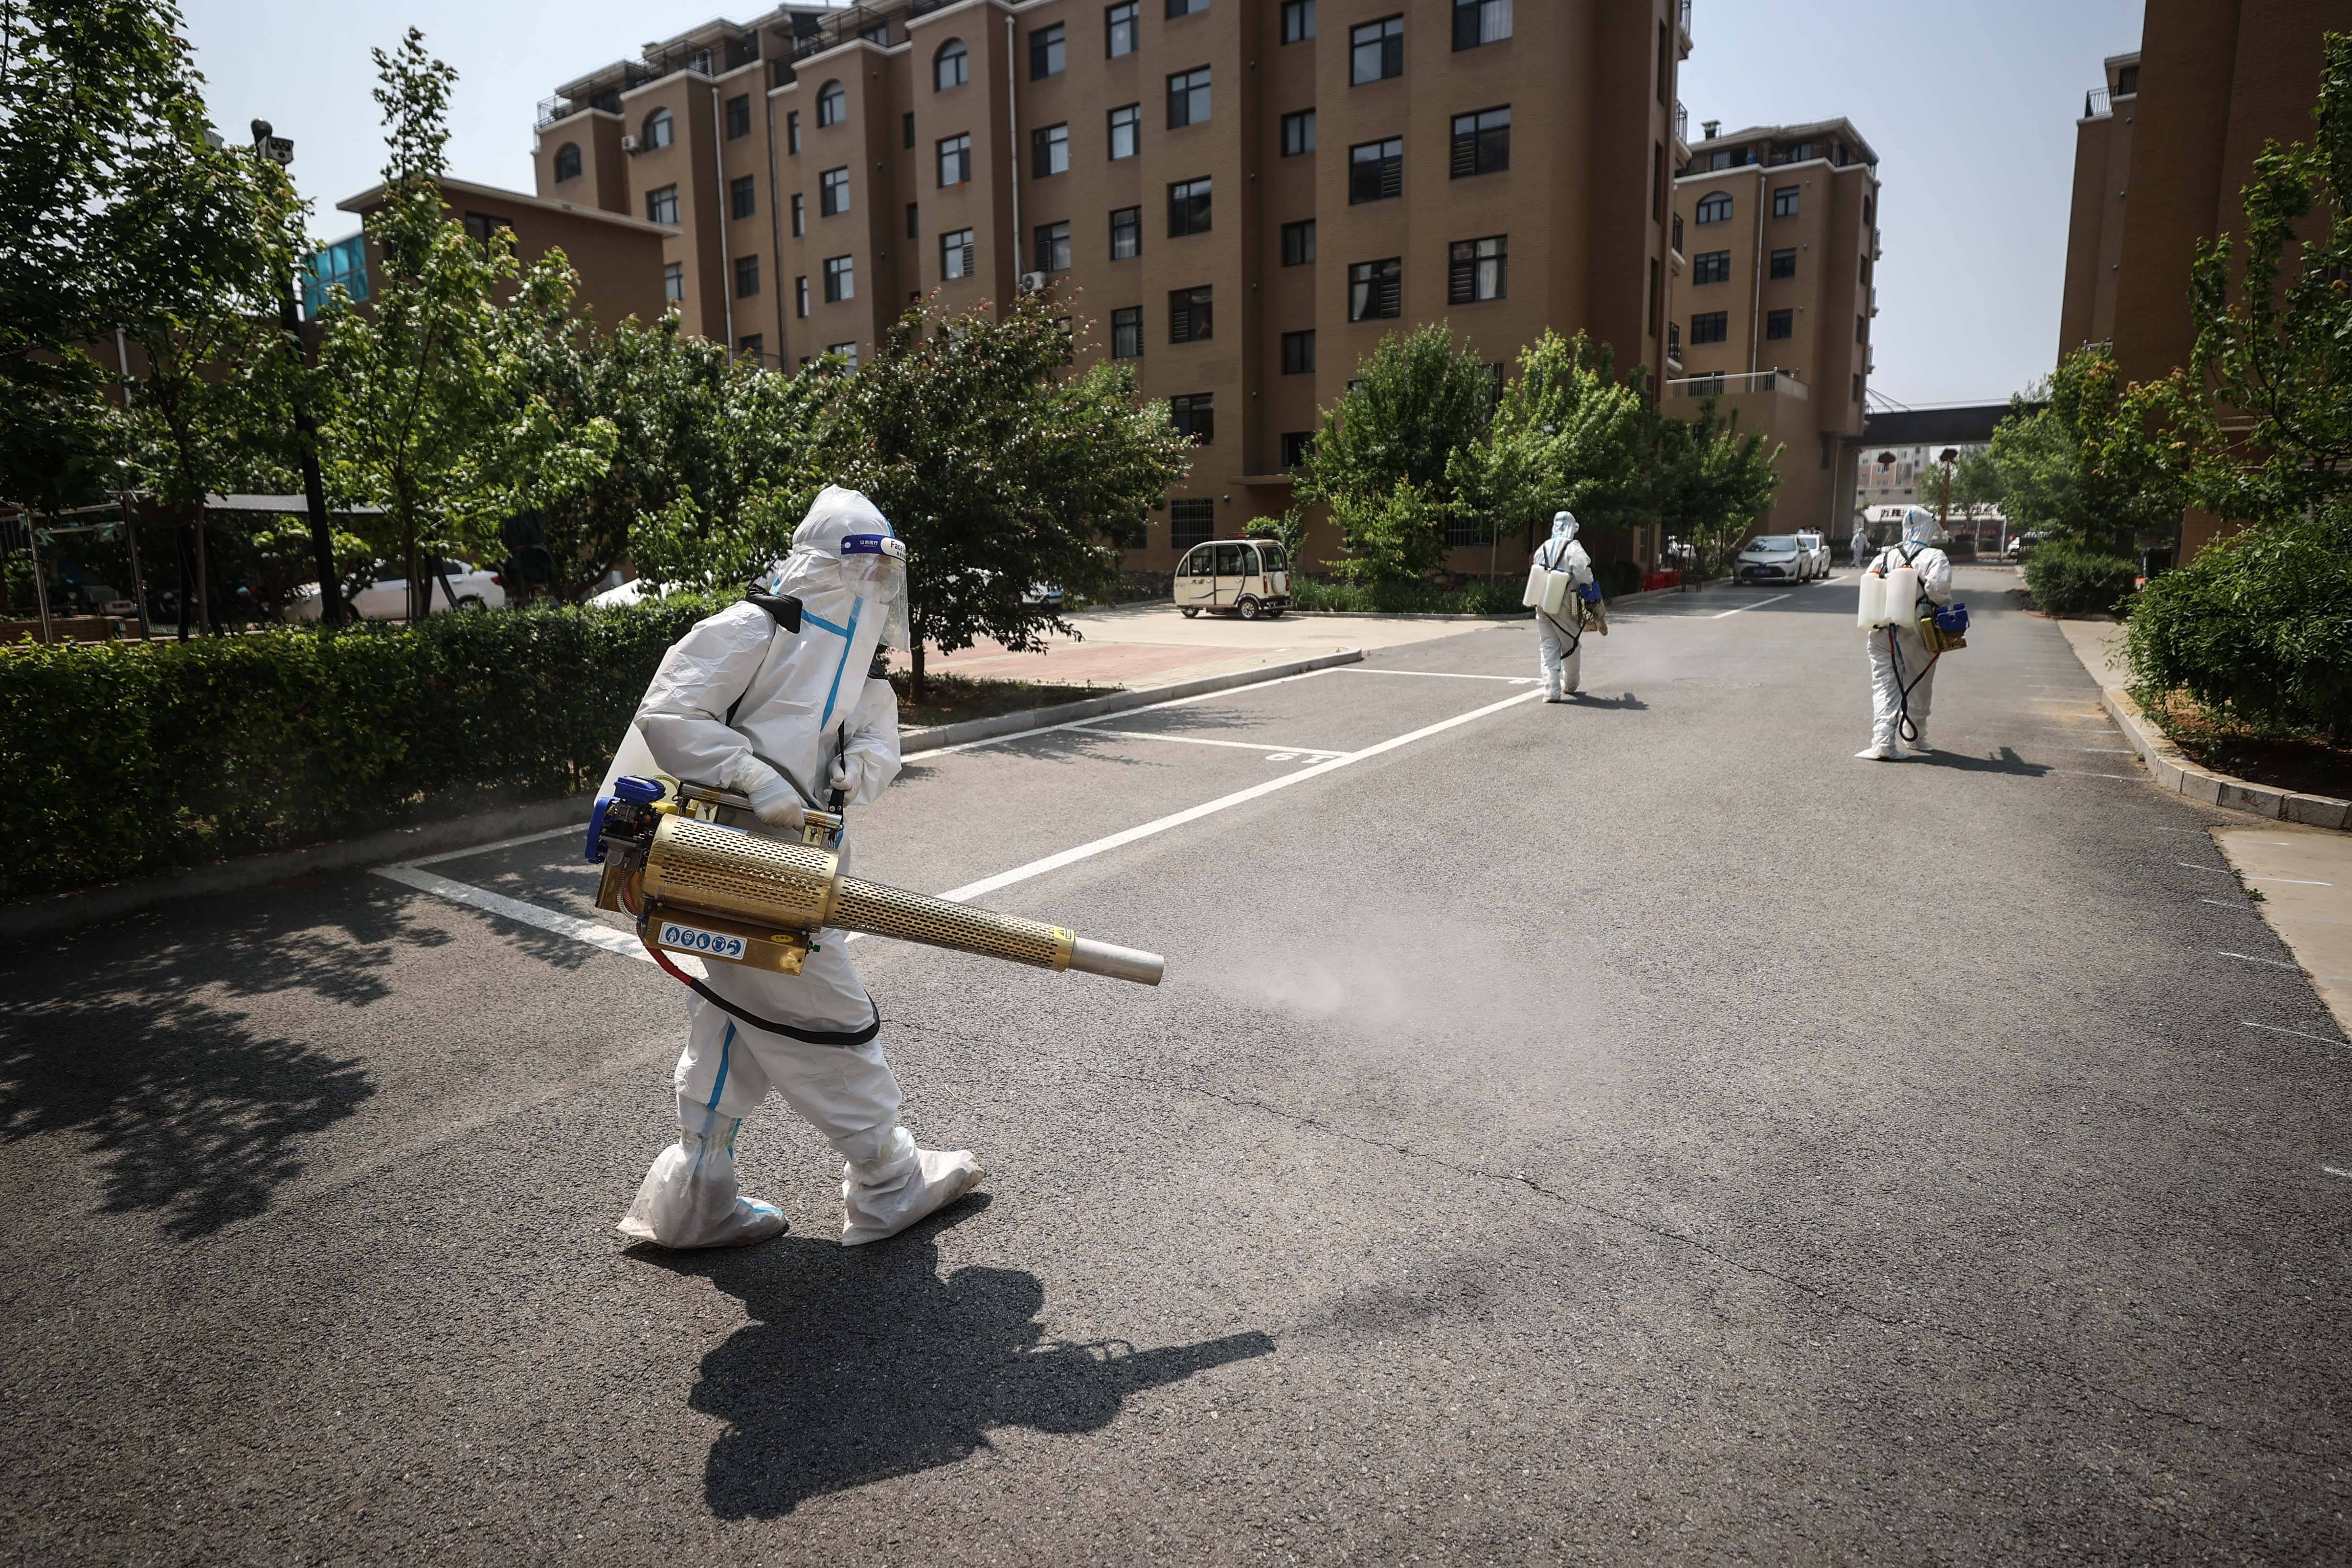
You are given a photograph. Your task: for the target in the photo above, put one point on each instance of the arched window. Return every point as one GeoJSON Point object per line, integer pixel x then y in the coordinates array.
{"type": "Point", "coordinates": [567, 162]}
{"type": "Point", "coordinates": [660, 129]}
{"type": "Point", "coordinates": [952, 66]}
{"type": "Point", "coordinates": [831, 104]}
{"type": "Point", "coordinates": [1715, 208]}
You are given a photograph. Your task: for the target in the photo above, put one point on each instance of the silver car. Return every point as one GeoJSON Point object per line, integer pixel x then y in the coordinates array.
{"type": "Point", "coordinates": [1817, 554]}
{"type": "Point", "coordinates": [1771, 557]}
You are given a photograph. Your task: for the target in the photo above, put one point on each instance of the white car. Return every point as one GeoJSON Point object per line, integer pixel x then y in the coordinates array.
{"type": "Point", "coordinates": [1771, 557]}
{"type": "Point", "coordinates": [1817, 554]}
{"type": "Point", "coordinates": [387, 599]}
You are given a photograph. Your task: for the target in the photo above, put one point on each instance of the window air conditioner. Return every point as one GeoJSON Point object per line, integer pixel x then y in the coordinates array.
{"type": "Point", "coordinates": [628, 143]}
{"type": "Point", "coordinates": [1033, 283]}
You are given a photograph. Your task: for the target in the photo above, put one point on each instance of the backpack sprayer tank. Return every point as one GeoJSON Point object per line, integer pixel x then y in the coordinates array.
{"type": "Point", "coordinates": [696, 883]}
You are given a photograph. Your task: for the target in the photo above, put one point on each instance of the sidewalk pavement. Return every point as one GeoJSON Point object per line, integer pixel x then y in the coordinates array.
{"type": "Point", "coordinates": [1153, 645]}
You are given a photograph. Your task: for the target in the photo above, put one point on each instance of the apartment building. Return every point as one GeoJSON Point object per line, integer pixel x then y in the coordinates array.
{"type": "Point", "coordinates": [1779, 226]}
{"type": "Point", "coordinates": [2095, 225]}
{"type": "Point", "coordinates": [1167, 169]}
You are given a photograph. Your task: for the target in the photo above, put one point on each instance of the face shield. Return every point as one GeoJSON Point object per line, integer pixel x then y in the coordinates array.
{"type": "Point", "coordinates": [873, 567]}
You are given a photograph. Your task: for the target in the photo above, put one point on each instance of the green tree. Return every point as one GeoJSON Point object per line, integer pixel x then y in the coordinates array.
{"type": "Point", "coordinates": [1708, 482]}
{"type": "Point", "coordinates": [2099, 462]}
{"type": "Point", "coordinates": [1567, 434]}
{"type": "Point", "coordinates": [1417, 400]}
{"type": "Point", "coordinates": [434, 416]}
{"type": "Point", "coordinates": [1001, 469]}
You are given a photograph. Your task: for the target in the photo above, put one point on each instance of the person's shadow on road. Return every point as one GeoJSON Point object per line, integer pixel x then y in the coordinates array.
{"type": "Point", "coordinates": [2006, 761]}
{"type": "Point", "coordinates": [1629, 701]}
{"type": "Point", "coordinates": [863, 1364]}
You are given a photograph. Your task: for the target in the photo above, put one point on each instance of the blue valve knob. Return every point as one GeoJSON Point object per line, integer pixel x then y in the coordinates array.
{"type": "Point", "coordinates": [637, 791]}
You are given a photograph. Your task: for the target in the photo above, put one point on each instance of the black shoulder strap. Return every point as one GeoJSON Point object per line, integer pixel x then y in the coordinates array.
{"type": "Point", "coordinates": [879, 670]}
{"type": "Point", "coordinates": [783, 606]}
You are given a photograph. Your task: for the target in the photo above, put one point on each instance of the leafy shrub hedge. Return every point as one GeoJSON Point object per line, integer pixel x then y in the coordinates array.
{"type": "Point", "coordinates": [2069, 578]}
{"type": "Point", "coordinates": [2258, 629]}
{"type": "Point", "coordinates": [125, 759]}
{"type": "Point", "coordinates": [1618, 578]}
{"type": "Point", "coordinates": [1407, 598]}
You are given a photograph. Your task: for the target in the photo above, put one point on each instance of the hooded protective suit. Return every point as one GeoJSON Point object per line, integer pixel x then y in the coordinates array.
{"type": "Point", "coordinates": [1860, 546]}
{"type": "Point", "coordinates": [745, 701]}
{"type": "Point", "coordinates": [1559, 649]}
{"type": "Point", "coordinates": [1902, 673]}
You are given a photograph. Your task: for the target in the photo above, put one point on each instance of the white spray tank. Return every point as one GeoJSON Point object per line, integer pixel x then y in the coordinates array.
{"type": "Point", "coordinates": [1872, 611]}
{"type": "Point", "coordinates": [1902, 595]}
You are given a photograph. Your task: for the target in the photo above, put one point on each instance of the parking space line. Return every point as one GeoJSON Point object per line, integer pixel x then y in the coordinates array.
{"type": "Point", "coordinates": [1759, 603]}
{"type": "Point", "coordinates": [1317, 751]}
{"type": "Point", "coordinates": [496, 845]}
{"type": "Point", "coordinates": [2079, 773]}
{"type": "Point", "coordinates": [1440, 675]}
{"type": "Point", "coordinates": [594, 933]}
{"type": "Point", "coordinates": [2248, 957]}
{"type": "Point", "coordinates": [2300, 1034]}
{"type": "Point", "coordinates": [1152, 708]}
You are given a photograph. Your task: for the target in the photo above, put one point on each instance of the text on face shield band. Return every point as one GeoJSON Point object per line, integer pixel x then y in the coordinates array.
{"type": "Point", "coordinates": [874, 544]}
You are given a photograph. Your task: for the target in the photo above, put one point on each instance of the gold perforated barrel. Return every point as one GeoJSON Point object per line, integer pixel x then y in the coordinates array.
{"type": "Point", "coordinates": [934, 922]}
{"type": "Point", "coordinates": [702, 865]}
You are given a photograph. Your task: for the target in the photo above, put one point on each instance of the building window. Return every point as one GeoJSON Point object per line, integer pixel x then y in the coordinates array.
{"type": "Point", "coordinates": [955, 160]}
{"type": "Point", "coordinates": [751, 347]}
{"type": "Point", "coordinates": [1862, 329]}
{"type": "Point", "coordinates": [674, 282]}
{"type": "Point", "coordinates": [1048, 55]}
{"type": "Point", "coordinates": [1188, 208]}
{"type": "Point", "coordinates": [1674, 341]}
{"type": "Point", "coordinates": [831, 104]}
{"type": "Point", "coordinates": [1127, 333]}
{"type": "Point", "coordinates": [1297, 132]}
{"type": "Point", "coordinates": [1119, 29]}
{"type": "Point", "coordinates": [660, 129]}
{"type": "Point", "coordinates": [1863, 276]}
{"type": "Point", "coordinates": [1298, 21]}
{"type": "Point", "coordinates": [832, 192]}
{"type": "Point", "coordinates": [1678, 232]}
{"type": "Point", "coordinates": [800, 297]}
{"type": "Point", "coordinates": [1049, 150]}
{"type": "Point", "coordinates": [1376, 171]}
{"type": "Point", "coordinates": [914, 221]}
{"type": "Point", "coordinates": [1476, 269]}
{"type": "Point", "coordinates": [1125, 233]}
{"type": "Point", "coordinates": [1053, 248]}
{"type": "Point", "coordinates": [907, 128]}
{"type": "Point", "coordinates": [1857, 386]}
{"type": "Point", "coordinates": [1191, 522]}
{"type": "Point", "coordinates": [738, 118]}
{"type": "Point", "coordinates": [956, 258]}
{"type": "Point", "coordinates": [1125, 132]}
{"type": "Point", "coordinates": [1190, 319]}
{"type": "Point", "coordinates": [1784, 264]}
{"type": "Point", "coordinates": [952, 66]}
{"type": "Point", "coordinates": [1711, 327]}
{"type": "Point", "coordinates": [1784, 202]}
{"type": "Point", "coordinates": [1780, 324]}
{"type": "Point", "coordinates": [1376, 50]}
{"type": "Point", "coordinates": [1195, 416]}
{"type": "Point", "coordinates": [1482, 143]}
{"type": "Point", "coordinates": [793, 131]}
{"type": "Point", "coordinates": [1657, 303]}
{"type": "Point", "coordinates": [481, 226]}
{"type": "Point", "coordinates": [1298, 243]}
{"type": "Point", "coordinates": [661, 204]}
{"type": "Point", "coordinates": [1715, 207]}
{"type": "Point", "coordinates": [1298, 353]}
{"type": "Point", "coordinates": [1294, 444]}
{"type": "Point", "coordinates": [800, 215]}
{"type": "Point", "coordinates": [747, 276]}
{"type": "Point", "coordinates": [840, 279]}
{"type": "Point", "coordinates": [567, 162]}
{"type": "Point", "coordinates": [1711, 266]}
{"type": "Point", "coordinates": [848, 352]}
{"type": "Point", "coordinates": [1376, 290]}
{"type": "Point", "coordinates": [742, 197]}
{"type": "Point", "coordinates": [1477, 22]}
{"type": "Point", "coordinates": [1869, 211]}
{"type": "Point", "coordinates": [1186, 8]}
{"type": "Point", "coordinates": [1187, 98]}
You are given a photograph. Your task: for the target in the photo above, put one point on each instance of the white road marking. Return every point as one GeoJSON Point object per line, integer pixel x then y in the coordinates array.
{"type": "Point", "coordinates": [2200, 831]}
{"type": "Point", "coordinates": [1774, 600]}
{"type": "Point", "coordinates": [2078, 773]}
{"type": "Point", "coordinates": [2106, 750]}
{"type": "Point", "coordinates": [1440, 675]}
{"type": "Point", "coordinates": [2331, 1170]}
{"type": "Point", "coordinates": [1154, 708]}
{"type": "Point", "coordinates": [594, 932]}
{"type": "Point", "coordinates": [579, 831]}
{"type": "Point", "coordinates": [2298, 881]}
{"type": "Point", "coordinates": [1204, 740]}
{"type": "Point", "coordinates": [2248, 957]}
{"type": "Point", "coordinates": [2222, 869]}
{"type": "Point", "coordinates": [2225, 903]}
{"type": "Point", "coordinates": [2275, 1029]}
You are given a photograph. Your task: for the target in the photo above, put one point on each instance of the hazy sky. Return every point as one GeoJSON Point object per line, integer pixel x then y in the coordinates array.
{"type": "Point", "coordinates": [1971, 108]}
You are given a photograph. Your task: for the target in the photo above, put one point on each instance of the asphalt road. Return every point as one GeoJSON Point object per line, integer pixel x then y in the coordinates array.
{"type": "Point", "coordinates": [1632, 1130]}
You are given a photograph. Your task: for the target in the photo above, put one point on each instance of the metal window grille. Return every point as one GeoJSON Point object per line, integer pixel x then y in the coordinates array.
{"type": "Point", "coordinates": [1376, 171]}
{"type": "Point", "coordinates": [1376, 290]}
{"type": "Point", "coordinates": [1053, 247]}
{"type": "Point", "coordinates": [1190, 522]}
{"type": "Point", "coordinates": [1475, 270]}
{"type": "Point", "coordinates": [1482, 143]}
{"type": "Point", "coordinates": [1191, 316]}
{"type": "Point", "coordinates": [956, 254]}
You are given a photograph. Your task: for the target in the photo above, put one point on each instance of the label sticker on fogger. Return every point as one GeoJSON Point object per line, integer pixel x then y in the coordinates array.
{"type": "Point", "coordinates": [686, 939]}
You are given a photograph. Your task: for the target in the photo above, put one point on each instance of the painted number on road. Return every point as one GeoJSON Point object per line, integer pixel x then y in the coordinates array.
{"type": "Point", "coordinates": [686, 939]}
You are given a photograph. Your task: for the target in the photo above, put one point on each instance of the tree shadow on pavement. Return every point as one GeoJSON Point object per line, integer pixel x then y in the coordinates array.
{"type": "Point", "coordinates": [2006, 760]}
{"type": "Point", "coordinates": [862, 1364]}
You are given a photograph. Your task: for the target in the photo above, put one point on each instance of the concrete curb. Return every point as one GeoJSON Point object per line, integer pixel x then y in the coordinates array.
{"type": "Point", "coordinates": [2172, 770]}
{"type": "Point", "coordinates": [85, 904]}
{"type": "Point", "coordinates": [947, 735]}
{"type": "Point", "coordinates": [1510, 620]}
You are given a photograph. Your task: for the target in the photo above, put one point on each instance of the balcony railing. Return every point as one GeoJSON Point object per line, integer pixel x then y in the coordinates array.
{"type": "Point", "coordinates": [1681, 123]}
{"type": "Point", "coordinates": [552, 110]}
{"type": "Point", "coordinates": [1746, 382]}
{"type": "Point", "coordinates": [2095, 103]}
{"type": "Point", "coordinates": [1686, 18]}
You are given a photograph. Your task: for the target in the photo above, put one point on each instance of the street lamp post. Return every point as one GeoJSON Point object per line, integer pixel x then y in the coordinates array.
{"type": "Point", "coordinates": [279, 150]}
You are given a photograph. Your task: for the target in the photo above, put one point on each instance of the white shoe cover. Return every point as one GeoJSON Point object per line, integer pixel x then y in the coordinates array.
{"type": "Point", "coordinates": [1875, 753]}
{"type": "Point", "coordinates": [882, 1196]}
{"type": "Point", "coordinates": [688, 1199]}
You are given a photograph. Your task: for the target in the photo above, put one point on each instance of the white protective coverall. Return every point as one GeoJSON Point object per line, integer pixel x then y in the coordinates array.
{"type": "Point", "coordinates": [745, 704]}
{"type": "Point", "coordinates": [1559, 649]}
{"type": "Point", "coordinates": [1860, 546]}
{"type": "Point", "coordinates": [1902, 660]}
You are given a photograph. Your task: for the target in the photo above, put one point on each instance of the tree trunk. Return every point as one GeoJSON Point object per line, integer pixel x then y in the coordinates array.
{"type": "Point", "coordinates": [188, 557]}
{"type": "Point", "coordinates": [915, 687]}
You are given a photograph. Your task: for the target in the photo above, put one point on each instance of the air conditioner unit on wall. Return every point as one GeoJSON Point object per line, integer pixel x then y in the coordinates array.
{"type": "Point", "coordinates": [628, 143]}
{"type": "Point", "coordinates": [1033, 283]}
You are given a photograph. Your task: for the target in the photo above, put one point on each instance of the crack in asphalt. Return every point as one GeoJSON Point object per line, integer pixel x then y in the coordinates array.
{"type": "Point", "coordinates": [1521, 1180]}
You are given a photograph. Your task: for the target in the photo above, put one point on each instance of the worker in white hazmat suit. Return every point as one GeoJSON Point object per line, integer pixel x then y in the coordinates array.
{"type": "Point", "coordinates": [784, 698]}
{"type": "Point", "coordinates": [1902, 672]}
{"type": "Point", "coordinates": [1559, 644]}
{"type": "Point", "coordinates": [1860, 545]}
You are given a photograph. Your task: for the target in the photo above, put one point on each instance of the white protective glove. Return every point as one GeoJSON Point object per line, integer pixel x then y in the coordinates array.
{"type": "Point", "coordinates": [849, 776]}
{"type": "Point", "coordinates": [775, 802]}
